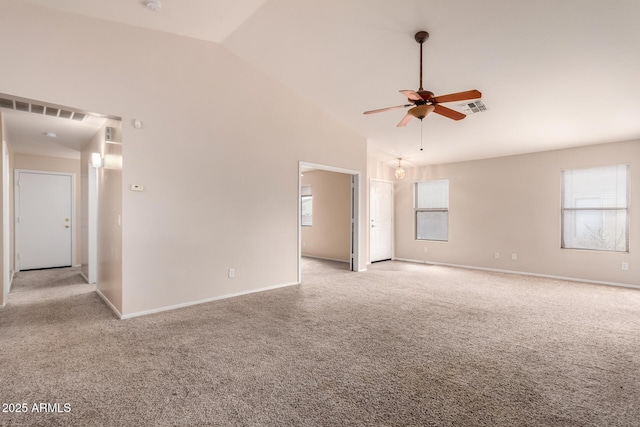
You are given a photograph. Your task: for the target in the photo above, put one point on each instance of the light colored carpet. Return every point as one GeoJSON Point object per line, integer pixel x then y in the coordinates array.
{"type": "Point", "coordinates": [399, 345]}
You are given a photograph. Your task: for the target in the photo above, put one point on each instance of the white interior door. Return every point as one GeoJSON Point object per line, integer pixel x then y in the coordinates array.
{"type": "Point", "coordinates": [381, 215]}
{"type": "Point", "coordinates": [43, 220]}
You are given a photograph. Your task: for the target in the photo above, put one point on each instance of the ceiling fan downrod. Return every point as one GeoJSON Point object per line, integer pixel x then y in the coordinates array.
{"type": "Point", "coordinates": [421, 37]}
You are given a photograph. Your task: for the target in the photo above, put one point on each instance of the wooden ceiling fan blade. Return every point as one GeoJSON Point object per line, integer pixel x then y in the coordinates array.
{"type": "Point", "coordinates": [412, 94]}
{"type": "Point", "coordinates": [448, 112]}
{"type": "Point", "coordinates": [405, 120]}
{"type": "Point", "coordinates": [380, 110]}
{"type": "Point", "coordinates": [458, 96]}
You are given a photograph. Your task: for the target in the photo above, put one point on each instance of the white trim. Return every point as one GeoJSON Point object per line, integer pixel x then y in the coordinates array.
{"type": "Point", "coordinates": [16, 193]}
{"type": "Point", "coordinates": [92, 224]}
{"type": "Point", "coordinates": [324, 258]}
{"type": "Point", "coordinates": [522, 273]}
{"type": "Point", "coordinates": [6, 224]}
{"type": "Point", "coordinates": [202, 301]}
{"type": "Point", "coordinates": [111, 306]}
{"type": "Point", "coordinates": [83, 276]}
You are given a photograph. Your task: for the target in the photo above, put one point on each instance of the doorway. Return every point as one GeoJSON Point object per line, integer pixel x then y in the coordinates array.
{"type": "Point", "coordinates": [44, 206]}
{"type": "Point", "coordinates": [351, 232]}
{"type": "Point", "coordinates": [381, 220]}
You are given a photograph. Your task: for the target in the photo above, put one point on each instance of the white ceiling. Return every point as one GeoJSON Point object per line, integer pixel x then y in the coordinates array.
{"type": "Point", "coordinates": [553, 73]}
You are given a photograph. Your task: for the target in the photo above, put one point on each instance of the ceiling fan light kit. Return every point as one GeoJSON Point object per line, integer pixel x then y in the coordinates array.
{"type": "Point", "coordinates": [424, 102]}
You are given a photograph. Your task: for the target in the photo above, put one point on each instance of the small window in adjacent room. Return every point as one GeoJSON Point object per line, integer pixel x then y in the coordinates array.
{"type": "Point", "coordinates": [595, 208]}
{"type": "Point", "coordinates": [306, 206]}
{"type": "Point", "coordinates": [432, 210]}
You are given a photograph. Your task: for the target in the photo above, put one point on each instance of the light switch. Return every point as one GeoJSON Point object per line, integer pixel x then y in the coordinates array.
{"type": "Point", "coordinates": [137, 187]}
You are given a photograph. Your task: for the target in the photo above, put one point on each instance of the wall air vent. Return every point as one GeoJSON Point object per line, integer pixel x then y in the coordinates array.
{"type": "Point", "coordinates": [20, 104]}
{"type": "Point", "coordinates": [472, 107]}
{"type": "Point", "coordinates": [6, 103]}
{"type": "Point", "coordinates": [16, 103]}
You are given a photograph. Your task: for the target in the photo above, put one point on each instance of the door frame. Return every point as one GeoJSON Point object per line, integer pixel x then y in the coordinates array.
{"type": "Point", "coordinates": [16, 211]}
{"type": "Point", "coordinates": [354, 240]}
{"type": "Point", "coordinates": [92, 224]}
{"type": "Point", "coordinates": [393, 248]}
{"type": "Point", "coordinates": [6, 223]}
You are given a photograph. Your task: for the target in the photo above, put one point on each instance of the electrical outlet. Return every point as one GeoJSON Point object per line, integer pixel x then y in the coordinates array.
{"type": "Point", "coordinates": [624, 266]}
{"type": "Point", "coordinates": [496, 255]}
{"type": "Point", "coordinates": [232, 273]}
{"type": "Point", "coordinates": [514, 256]}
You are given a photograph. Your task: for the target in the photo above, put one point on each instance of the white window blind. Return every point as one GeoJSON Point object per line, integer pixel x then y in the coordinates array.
{"type": "Point", "coordinates": [432, 210]}
{"type": "Point", "coordinates": [595, 210]}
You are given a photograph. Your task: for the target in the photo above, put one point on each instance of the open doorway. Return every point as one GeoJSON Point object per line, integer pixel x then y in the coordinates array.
{"type": "Point", "coordinates": [50, 142]}
{"type": "Point", "coordinates": [328, 220]}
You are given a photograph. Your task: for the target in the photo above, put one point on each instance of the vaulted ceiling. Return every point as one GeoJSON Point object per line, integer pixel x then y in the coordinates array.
{"type": "Point", "coordinates": [553, 74]}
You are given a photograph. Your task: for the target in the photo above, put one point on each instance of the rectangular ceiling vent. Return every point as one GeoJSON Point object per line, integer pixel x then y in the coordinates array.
{"type": "Point", "coordinates": [49, 110]}
{"type": "Point", "coordinates": [473, 107]}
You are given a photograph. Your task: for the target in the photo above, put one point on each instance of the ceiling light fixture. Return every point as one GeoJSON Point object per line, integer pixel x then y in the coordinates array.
{"type": "Point", "coordinates": [399, 170]}
{"type": "Point", "coordinates": [153, 5]}
{"type": "Point", "coordinates": [50, 134]}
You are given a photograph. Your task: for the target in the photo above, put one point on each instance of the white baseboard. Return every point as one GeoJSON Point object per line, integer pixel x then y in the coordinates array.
{"type": "Point", "coordinates": [111, 306]}
{"type": "Point", "coordinates": [523, 273]}
{"type": "Point", "coordinates": [324, 258]}
{"type": "Point", "coordinates": [84, 277]}
{"type": "Point", "coordinates": [202, 301]}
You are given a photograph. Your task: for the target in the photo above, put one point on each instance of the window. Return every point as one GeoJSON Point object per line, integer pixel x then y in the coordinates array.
{"type": "Point", "coordinates": [306, 206]}
{"type": "Point", "coordinates": [595, 209]}
{"type": "Point", "coordinates": [432, 210]}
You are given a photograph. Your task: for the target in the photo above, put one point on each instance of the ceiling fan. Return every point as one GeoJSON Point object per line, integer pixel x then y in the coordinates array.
{"type": "Point", "coordinates": [424, 102]}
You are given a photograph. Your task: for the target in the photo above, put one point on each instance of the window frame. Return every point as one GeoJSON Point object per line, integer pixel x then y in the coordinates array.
{"type": "Point", "coordinates": [417, 211]}
{"type": "Point", "coordinates": [600, 210]}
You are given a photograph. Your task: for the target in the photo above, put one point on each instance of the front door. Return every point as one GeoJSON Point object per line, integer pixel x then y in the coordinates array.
{"type": "Point", "coordinates": [43, 220]}
{"type": "Point", "coordinates": [381, 213]}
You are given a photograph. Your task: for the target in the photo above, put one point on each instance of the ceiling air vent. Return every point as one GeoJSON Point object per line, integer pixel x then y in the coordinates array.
{"type": "Point", "coordinates": [472, 107]}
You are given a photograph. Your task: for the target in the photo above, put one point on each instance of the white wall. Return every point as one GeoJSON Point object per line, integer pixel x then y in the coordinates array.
{"type": "Point", "coordinates": [210, 152]}
{"type": "Point", "coordinates": [512, 205]}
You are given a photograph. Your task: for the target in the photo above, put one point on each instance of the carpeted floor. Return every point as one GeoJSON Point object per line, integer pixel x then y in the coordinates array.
{"type": "Point", "coordinates": [399, 345]}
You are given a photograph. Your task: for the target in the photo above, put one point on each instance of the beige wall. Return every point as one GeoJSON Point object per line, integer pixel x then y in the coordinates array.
{"type": "Point", "coordinates": [109, 268]}
{"type": "Point", "coordinates": [512, 205]}
{"type": "Point", "coordinates": [57, 164]}
{"type": "Point", "coordinates": [330, 233]}
{"type": "Point", "coordinates": [206, 161]}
